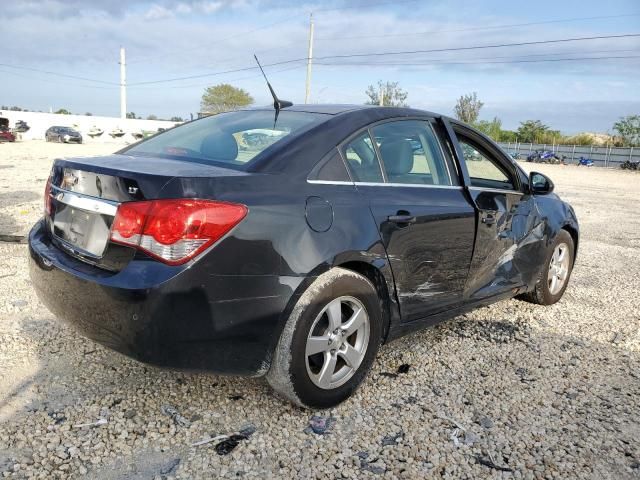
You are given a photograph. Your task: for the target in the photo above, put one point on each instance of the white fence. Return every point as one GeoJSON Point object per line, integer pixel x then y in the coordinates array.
{"type": "Point", "coordinates": [601, 156]}
{"type": "Point", "coordinates": [40, 122]}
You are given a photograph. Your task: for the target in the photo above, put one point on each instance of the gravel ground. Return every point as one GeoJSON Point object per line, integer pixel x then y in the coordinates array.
{"type": "Point", "coordinates": [509, 391]}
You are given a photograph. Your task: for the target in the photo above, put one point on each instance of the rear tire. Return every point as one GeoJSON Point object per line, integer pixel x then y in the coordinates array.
{"type": "Point", "coordinates": [329, 341]}
{"type": "Point", "coordinates": [554, 276]}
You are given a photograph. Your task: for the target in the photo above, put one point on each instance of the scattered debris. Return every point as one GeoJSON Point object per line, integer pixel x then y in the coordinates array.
{"type": "Point", "coordinates": [483, 421]}
{"type": "Point", "coordinates": [244, 432]}
{"type": "Point", "coordinates": [171, 411]}
{"type": "Point", "coordinates": [404, 368]}
{"type": "Point", "coordinates": [101, 421]}
{"type": "Point", "coordinates": [615, 338]}
{"type": "Point", "coordinates": [236, 397]}
{"type": "Point", "coordinates": [488, 462]}
{"type": "Point", "coordinates": [248, 430]}
{"type": "Point", "coordinates": [320, 425]}
{"type": "Point", "coordinates": [130, 414]}
{"type": "Point", "coordinates": [227, 446]}
{"type": "Point", "coordinates": [373, 468]}
{"type": "Point", "coordinates": [523, 374]}
{"type": "Point", "coordinates": [206, 440]}
{"type": "Point", "coordinates": [392, 439]}
{"type": "Point", "coordinates": [170, 467]}
{"type": "Point", "coordinates": [388, 374]}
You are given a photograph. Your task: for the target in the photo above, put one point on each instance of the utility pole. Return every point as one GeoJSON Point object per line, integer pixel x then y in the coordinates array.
{"type": "Point", "coordinates": [123, 85]}
{"type": "Point", "coordinates": [381, 96]}
{"type": "Point", "coordinates": [307, 92]}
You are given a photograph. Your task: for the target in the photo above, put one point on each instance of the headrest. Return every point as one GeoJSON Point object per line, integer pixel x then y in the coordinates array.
{"type": "Point", "coordinates": [397, 156]}
{"type": "Point", "coordinates": [219, 146]}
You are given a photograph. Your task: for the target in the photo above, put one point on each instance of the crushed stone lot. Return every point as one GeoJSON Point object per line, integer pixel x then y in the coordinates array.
{"type": "Point", "coordinates": [513, 390]}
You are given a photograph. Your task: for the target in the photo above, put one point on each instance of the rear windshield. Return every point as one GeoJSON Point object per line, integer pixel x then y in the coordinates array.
{"type": "Point", "coordinates": [232, 138]}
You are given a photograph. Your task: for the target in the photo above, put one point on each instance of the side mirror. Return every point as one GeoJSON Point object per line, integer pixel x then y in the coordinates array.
{"type": "Point", "coordinates": [540, 184]}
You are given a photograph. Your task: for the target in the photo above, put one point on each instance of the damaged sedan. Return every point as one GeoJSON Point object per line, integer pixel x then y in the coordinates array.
{"type": "Point", "coordinates": [294, 257]}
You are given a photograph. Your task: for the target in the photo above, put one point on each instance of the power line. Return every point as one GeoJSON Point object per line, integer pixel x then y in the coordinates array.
{"type": "Point", "coordinates": [479, 47]}
{"type": "Point", "coordinates": [491, 27]}
{"type": "Point", "coordinates": [472, 62]}
{"type": "Point", "coordinates": [493, 57]}
{"type": "Point", "coordinates": [213, 74]}
{"type": "Point", "coordinates": [378, 54]}
{"type": "Point", "coordinates": [20, 67]}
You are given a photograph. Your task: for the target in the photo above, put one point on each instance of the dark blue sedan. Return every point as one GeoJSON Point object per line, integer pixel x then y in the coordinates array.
{"type": "Point", "coordinates": [297, 255]}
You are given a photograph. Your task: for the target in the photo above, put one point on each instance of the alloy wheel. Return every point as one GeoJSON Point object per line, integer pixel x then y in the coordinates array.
{"type": "Point", "coordinates": [337, 342]}
{"type": "Point", "coordinates": [558, 268]}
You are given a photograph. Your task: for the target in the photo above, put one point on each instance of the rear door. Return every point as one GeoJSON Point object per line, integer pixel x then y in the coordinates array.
{"type": "Point", "coordinates": [426, 222]}
{"type": "Point", "coordinates": [503, 215]}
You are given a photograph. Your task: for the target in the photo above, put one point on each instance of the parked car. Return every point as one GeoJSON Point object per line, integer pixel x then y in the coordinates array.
{"type": "Point", "coordinates": [62, 135]}
{"type": "Point", "coordinates": [6, 135]}
{"type": "Point", "coordinates": [297, 260]}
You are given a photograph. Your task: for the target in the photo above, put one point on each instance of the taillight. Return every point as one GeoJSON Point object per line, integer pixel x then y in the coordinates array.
{"type": "Point", "coordinates": [47, 197]}
{"type": "Point", "coordinates": [174, 231]}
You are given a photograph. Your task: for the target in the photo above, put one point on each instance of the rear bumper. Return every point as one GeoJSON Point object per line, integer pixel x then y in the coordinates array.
{"type": "Point", "coordinates": [180, 317]}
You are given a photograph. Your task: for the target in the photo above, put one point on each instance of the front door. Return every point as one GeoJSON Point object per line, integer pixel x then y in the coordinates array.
{"type": "Point", "coordinates": [503, 217]}
{"type": "Point", "coordinates": [426, 222]}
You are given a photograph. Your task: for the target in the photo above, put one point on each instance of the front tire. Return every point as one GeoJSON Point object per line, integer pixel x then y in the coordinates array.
{"type": "Point", "coordinates": [554, 276]}
{"type": "Point", "coordinates": [329, 341]}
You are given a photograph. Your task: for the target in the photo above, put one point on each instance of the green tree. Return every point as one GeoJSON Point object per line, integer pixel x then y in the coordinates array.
{"type": "Point", "coordinates": [88, 114]}
{"type": "Point", "coordinates": [491, 128]}
{"type": "Point", "coordinates": [224, 98]}
{"type": "Point", "coordinates": [63, 111]}
{"type": "Point", "coordinates": [532, 131]}
{"type": "Point", "coordinates": [152, 117]}
{"type": "Point", "coordinates": [131, 115]}
{"type": "Point", "coordinates": [628, 129]}
{"type": "Point", "coordinates": [392, 94]}
{"type": "Point", "coordinates": [177, 119]}
{"type": "Point", "coordinates": [467, 108]}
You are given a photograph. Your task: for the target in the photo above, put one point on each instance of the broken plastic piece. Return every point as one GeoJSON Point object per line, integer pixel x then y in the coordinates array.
{"type": "Point", "coordinates": [404, 368]}
{"type": "Point", "coordinates": [175, 415]}
{"type": "Point", "coordinates": [101, 421]}
{"type": "Point", "coordinates": [226, 446]}
{"type": "Point", "coordinates": [206, 440]}
{"type": "Point", "coordinates": [392, 439]}
{"type": "Point", "coordinates": [320, 425]}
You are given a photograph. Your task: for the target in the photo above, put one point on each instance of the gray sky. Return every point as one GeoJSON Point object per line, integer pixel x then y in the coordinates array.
{"type": "Point", "coordinates": [587, 86]}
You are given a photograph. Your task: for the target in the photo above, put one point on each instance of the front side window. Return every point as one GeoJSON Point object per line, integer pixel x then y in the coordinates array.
{"type": "Point", "coordinates": [411, 153]}
{"type": "Point", "coordinates": [484, 171]}
{"type": "Point", "coordinates": [232, 139]}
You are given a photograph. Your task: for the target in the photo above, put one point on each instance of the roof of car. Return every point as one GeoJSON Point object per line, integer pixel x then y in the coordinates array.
{"type": "Point", "coordinates": [329, 109]}
{"type": "Point", "coordinates": [339, 108]}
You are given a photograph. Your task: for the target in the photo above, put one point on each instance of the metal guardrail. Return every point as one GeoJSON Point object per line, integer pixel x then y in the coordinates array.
{"type": "Point", "coordinates": [601, 156]}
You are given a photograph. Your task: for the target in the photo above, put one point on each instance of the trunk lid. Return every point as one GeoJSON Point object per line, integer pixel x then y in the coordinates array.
{"type": "Point", "coordinates": [84, 195]}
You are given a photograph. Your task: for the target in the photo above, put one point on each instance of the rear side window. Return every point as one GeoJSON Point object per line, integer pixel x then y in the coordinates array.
{"type": "Point", "coordinates": [362, 160]}
{"type": "Point", "coordinates": [411, 153]}
{"type": "Point", "coordinates": [231, 139]}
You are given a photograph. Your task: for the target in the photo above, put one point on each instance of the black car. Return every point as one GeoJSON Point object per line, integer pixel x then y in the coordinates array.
{"type": "Point", "coordinates": [62, 135]}
{"type": "Point", "coordinates": [294, 258]}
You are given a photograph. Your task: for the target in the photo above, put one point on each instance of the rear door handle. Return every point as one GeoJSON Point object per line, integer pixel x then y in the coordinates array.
{"type": "Point", "coordinates": [402, 218]}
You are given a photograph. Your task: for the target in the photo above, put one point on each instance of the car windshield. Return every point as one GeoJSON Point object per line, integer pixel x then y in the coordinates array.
{"type": "Point", "coordinates": [232, 139]}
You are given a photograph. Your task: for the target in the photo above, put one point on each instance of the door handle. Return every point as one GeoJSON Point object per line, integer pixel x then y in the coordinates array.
{"type": "Point", "coordinates": [402, 218]}
{"type": "Point", "coordinates": [489, 219]}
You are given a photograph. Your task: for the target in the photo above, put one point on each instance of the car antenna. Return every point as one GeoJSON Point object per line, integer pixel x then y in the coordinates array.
{"type": "Point", "coordinates": [277, 103]}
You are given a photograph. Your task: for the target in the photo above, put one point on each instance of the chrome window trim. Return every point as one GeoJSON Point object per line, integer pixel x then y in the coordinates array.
{"type": "Point", "coordinates": [411, 185]}
{"type": "Point", "coordinates": [330, 182]}
{"type": "Point", "coordinates": [496, 190]}
{"type": "Point", "coordinates": [89, 204]}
